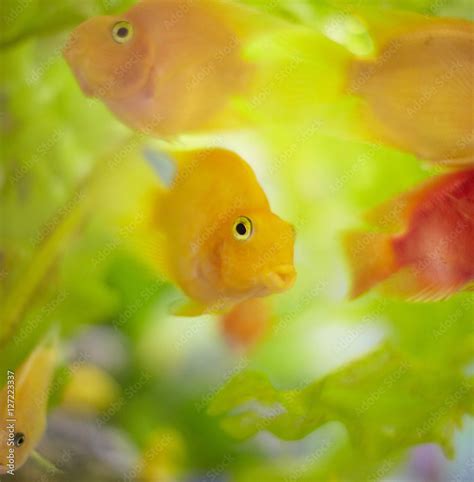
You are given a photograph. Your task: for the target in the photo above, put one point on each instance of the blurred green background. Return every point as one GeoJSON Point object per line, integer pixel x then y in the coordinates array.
{"type": "Point", "coordinates": [336, 391]}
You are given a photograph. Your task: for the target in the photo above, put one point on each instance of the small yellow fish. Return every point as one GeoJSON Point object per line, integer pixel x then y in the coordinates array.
{"type": "Point", "coordinates": [165, 67]}
{"type": "Point", "coordinates": [216, 236]}
{"type": "Point", "coordinates": [23, 406]}
{"type": "Point", "coordinates": [418, 91]}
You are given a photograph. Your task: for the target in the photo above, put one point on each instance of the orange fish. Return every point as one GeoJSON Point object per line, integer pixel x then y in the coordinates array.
{"type": "Point", "coordinates": [170, 67]}
{"type": "Point", "coordinates": [165, 67]}
{"type": "Point", "coordinates": [418, 90]}
{"type": "Point", "coordinates": [215, 235]}
{"type": "Point", "coordinates": [247, 323]}
{"type": "Point", "coordinates": [424, 249]}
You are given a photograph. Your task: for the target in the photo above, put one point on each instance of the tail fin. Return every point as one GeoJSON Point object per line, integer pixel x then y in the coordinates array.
{"type": "Point", "coordinates": [371, 259]}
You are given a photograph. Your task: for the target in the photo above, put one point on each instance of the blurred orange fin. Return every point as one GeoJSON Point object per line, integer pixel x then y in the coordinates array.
{"type": "Point", "coordinates": [371, 259]}
{"type": "Point", "coordinates": [247, 323]}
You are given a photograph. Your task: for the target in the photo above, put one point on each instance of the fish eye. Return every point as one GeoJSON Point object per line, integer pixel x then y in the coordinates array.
{"type": "Point", "coordinates": [242, 228]}
{"type": "Point", "coordinates": [19, 439]}
{"type": "Point", "coordinates": [122, 32]}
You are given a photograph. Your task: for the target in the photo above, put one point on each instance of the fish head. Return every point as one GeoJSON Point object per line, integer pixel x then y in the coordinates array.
{"type": "Point", "coordinates": [17, 441]}
{"type": "Point", "coordinates": [256, 254]}
{"type": "Point", "coordinates": [23, 405]}
{"type": "Point", "coordinates": [111, 57]}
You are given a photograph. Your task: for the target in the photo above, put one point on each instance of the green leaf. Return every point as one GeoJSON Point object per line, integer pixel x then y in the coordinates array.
{"type": "Point", "coordinates": [386, 401]}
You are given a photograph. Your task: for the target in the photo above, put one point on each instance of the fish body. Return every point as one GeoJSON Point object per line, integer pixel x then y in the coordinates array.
{"type": "Point", "coordinates": [424, 247]}
{"type": "Point", "coordinates": [418, 90]}
{"type": "Point", "coordinates": [174, 71]}
{"type": "Point", "coordinates": [23, 405]}
{"type": "Point", "coordinates": [216, 235]}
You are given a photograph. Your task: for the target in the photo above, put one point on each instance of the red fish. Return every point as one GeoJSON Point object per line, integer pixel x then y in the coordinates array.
{"type": "Point", "coordinates": [424, 247]}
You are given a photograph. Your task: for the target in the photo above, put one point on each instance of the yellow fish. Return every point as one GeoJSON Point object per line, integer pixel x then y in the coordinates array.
{"type": "Point", "coordinates": [215, 234]}
{"type": "Point", "coordinates": [23, 407]}
{"type": "Point", "coordinates": [418, 90]}
{"type": "Point", "coordinates": [165, 67]}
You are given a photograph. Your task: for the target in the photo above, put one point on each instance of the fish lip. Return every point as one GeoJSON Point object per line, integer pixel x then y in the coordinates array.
{"type": "Point", "coordinates": [280, 278]}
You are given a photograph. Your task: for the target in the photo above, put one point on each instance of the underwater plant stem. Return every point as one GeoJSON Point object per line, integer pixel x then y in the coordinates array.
{"type": "Point", "coordinates": [51, 247]}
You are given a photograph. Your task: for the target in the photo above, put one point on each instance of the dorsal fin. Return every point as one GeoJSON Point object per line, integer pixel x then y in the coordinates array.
{"type": "Point", "coordinates": [393, 215]}
{"type": "Point", "coordinates": [385, 25]}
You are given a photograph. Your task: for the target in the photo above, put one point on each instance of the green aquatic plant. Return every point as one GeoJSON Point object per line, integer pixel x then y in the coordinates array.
{"type": "Point", "coordinates": [395, 375]}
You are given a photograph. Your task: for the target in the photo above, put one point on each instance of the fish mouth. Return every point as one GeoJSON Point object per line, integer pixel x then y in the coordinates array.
{"type": "Point", "coordinates": [280, 279]}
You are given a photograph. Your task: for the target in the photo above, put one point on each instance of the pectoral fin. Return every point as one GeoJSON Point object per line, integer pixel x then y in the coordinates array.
{"type": "Point", "coordinates": [191, 308]}
{"type": "Point", "coordinates": [188, 308]}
